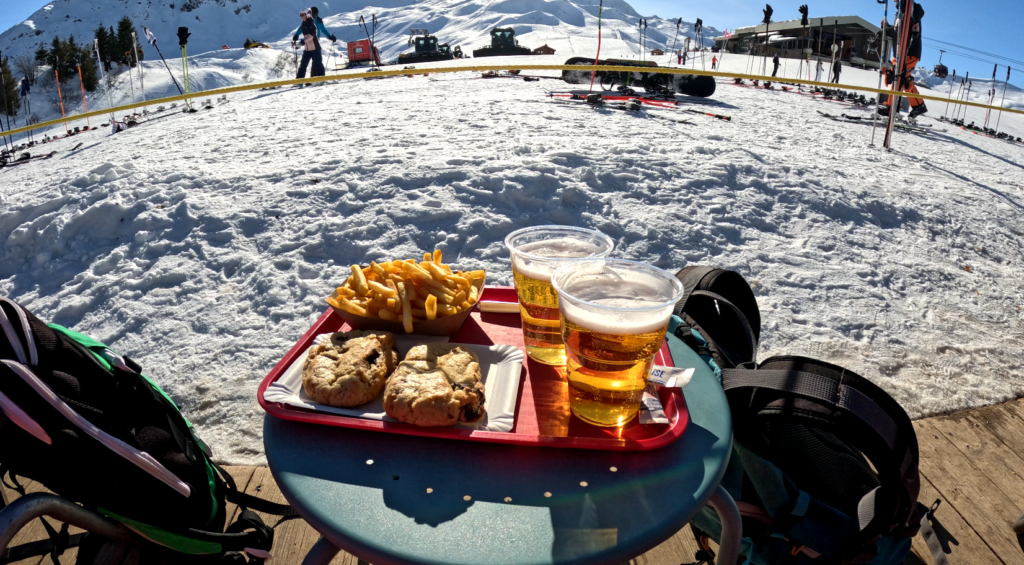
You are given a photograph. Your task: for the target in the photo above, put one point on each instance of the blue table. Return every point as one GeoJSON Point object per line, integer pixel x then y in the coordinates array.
{"type": "Point", "coordinates": [392, 499]}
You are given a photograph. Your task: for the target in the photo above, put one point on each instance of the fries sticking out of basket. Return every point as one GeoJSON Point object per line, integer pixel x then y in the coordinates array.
{"type": "Point", "coordinates": [407, 292]}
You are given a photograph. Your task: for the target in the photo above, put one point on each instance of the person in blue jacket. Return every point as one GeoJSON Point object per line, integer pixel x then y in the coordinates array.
{"type": "Point", "coordinates": [309, 30]}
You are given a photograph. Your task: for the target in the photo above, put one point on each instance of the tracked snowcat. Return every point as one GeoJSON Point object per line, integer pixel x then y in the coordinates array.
{"type": "Point", "coordinates": [426, 49]}
{"type": "Point", "coordinates": [646, 76]}
{"type": "Point", "coordinates": [503, 42]}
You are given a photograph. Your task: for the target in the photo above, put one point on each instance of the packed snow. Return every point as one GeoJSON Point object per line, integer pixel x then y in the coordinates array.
{"type": "Point", "coordinates": [202, 245]}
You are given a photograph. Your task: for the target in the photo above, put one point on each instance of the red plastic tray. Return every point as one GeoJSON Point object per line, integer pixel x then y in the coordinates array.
{"type": "Point", "coordinates": [543, 417]}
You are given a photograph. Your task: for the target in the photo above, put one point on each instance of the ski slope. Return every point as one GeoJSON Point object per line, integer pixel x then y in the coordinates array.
{"type": "Point", "coordinates": [568, 26]}
{"type": "Point", "coordinates": [203, 245]}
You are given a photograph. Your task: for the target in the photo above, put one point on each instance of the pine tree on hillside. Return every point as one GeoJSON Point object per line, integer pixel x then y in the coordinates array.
{"type": "Point", "coordinates": [90, 79]}
{"type": "Point", "coordinates": [42, 54]}
{"type": "Point", "coordinates": [9, 102]}
{"type": "Point", "coordinates": [103, 38]}
{"type": "Point", "coordinates": [112, 47]}
{"type": "Point", "coordinates": [125, 27]}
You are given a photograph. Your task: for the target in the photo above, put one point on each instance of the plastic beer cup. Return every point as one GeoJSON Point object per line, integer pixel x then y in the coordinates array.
{"type": "Point", "coordinates": [614, 315]}
{"type": "Point", "coordinates": [536, 253]}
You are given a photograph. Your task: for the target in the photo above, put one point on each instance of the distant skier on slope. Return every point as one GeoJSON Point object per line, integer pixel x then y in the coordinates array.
{"type": "Point", "coordinates": [714, 63]}
{"type": "Point", "coordinates": [837, 68]}
{"type": "Point", "coordinates": [902, 78]}
{"type": "Point", "coordinates": [775, 62]}
{"type": "Point", "coordinates": [310, 29]}
{"type": "Point", "coordinates": [818, 70]}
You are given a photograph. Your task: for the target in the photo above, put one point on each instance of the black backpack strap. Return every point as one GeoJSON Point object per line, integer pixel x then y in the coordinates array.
{"type": "Point", "coordinates": [869, 418]}
{"type": "Point", "coordinates": [691, 278]}
{"type": "Point", "coordinates": [705, 300]}
{"type": "Point", "coordinates": [261, 505]}
{"type": "Point", "coordinates": [935, 536]}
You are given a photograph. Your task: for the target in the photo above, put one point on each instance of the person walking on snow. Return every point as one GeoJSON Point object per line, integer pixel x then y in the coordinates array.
{"type": "Point", "coordinates": [818, 70]}
{"type": "Point", "coordinates": [902, 77]}
{"type": "Point", "coordinates": [775, 61]}
{"type": "Point", "coordinates": [837, 67]}
{"type": "Point", "coordinates": [310, 29]}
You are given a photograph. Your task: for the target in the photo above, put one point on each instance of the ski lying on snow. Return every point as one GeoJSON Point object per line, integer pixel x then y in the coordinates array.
{"type": "Point", "coordinates": [633, 106]}
{"type": "Point", "coordinates": [863, 120]}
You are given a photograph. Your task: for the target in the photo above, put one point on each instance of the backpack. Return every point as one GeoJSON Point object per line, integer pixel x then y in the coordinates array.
{"type": "Point", "coordinates": [68, 401]}
{"type": "Point", "coordinates": [824, 463]}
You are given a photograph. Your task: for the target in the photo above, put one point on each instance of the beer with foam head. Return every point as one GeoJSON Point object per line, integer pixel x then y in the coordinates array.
{"type": "Point", "coordinates": [536, 253]}
{"type": "Point", "coordinates": [613, 315]}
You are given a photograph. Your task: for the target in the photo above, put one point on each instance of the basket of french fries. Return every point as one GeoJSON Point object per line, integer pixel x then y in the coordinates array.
{"type": "Point", "coordinates": [424, 297]}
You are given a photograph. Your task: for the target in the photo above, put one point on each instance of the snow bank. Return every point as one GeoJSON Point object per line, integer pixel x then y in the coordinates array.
{"type": "Point", "coordinates": [203, 245]}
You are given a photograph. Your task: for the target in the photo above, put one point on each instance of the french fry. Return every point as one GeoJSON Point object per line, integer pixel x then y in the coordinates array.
{"type": "Point", "coordinates": [352, 307]}
{"type": "Point", "coordinates": [359, 281]}
{"type": "Point", "coordinates": [345, 291]}
{"type": "Point", "coordinates": [408, 290]}
{"type": "Point", "coordinates": [430, 307]}
{"type": "Point", "coordinates": [406, 307]}
{"type": "Point", "coordinates": [381, 289]}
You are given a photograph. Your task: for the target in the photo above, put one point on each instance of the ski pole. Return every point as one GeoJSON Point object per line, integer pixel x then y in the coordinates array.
{"type": "Point", "coordinates": [881, 69]}
{"type": "Point", "coordinates": [952, 82]}
{"type": "Point", "coordinates": [959, 93]}
{"type": "Point", "coordinates": [991, 95]}
{"type": "Point", "coordinates": [907, 9]}
{"type": "Point", "coordinates": [679, 22]}
{"type": "Point", "coordinates": [967, 98]}
{"type": "Point", "coordinates": [138, 65]}
{"type": "Point", "coordinates": [84, 102]}
{"type": "Point", "coordinates": [1004, 98]}
{"type": "Point", "coordinates": [719, 116]}
{"type": "Point", "coordinates": [597, 59]}
{"type": "Point", "coordinates": [60, 97]}
{"type": "Point", "coordinates": [131, 82]}
{"type": "Point", "coordinates": [105, 77]}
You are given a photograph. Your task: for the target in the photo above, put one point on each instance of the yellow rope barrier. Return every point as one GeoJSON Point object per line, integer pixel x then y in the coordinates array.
{"type": "Point", "coordinates": [480, 68]}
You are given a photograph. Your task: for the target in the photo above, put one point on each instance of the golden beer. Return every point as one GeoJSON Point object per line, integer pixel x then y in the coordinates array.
{"type": "Point", "coordinates": [613, 315]}
{"type": "Point", "coordinates": [538, 308]}
{"type": "Point", "coordinates": [536, 253]}
{"type": "Point", "coordinates": [607, 373]}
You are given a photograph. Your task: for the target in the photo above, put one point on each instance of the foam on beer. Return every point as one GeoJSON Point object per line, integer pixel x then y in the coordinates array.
{"type": "Point", "coordinates": [608, 289]}
{"type": "Point", "coordinates": [556, 249]}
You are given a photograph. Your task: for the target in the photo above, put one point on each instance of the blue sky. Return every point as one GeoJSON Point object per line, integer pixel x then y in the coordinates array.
{"type": "Point", "coordinates": [990, 25]}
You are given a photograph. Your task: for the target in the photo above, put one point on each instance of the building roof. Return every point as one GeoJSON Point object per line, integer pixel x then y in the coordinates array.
{"type": "Point", "coordinates": [794, 25]}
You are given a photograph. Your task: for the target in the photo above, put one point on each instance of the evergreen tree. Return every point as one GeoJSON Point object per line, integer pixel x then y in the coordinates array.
{"type": "Point", "coordinates": [9, 102]}
{"type": "Point", "coordinates": [112, 48]}
{"type": "Point", "coordinates": [125, 27]}
{"type": "Point", "coordinates": [103, 38]}
{"type": "Point", "coordinates": [42, 54]}
{"type": "Point", "coordinates": [90, 78]}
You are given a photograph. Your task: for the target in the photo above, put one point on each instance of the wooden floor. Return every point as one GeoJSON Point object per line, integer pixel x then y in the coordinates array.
{"type": "Point", "coordinates": [972, 461]}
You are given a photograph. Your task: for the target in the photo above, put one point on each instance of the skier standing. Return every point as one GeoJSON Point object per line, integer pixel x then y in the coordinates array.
{"type": "Point", "coordinates": [775, 62]}
{"type": "Point", "coordinates": [837, 67]}
{"type": "Point", "coordinates": [714, 62]}
{"type": "Point", "coordinates": [679, 57]}
{"type": "Point", "coordinates": [902, 77]}
{"type": "Point", "coordinates": [310, 29]}
{"type": "Point", "coordinates": [818, 70]}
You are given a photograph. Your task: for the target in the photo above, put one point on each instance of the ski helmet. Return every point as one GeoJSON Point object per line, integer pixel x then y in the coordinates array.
{"type": "Point", "coordinates": [315, 11]}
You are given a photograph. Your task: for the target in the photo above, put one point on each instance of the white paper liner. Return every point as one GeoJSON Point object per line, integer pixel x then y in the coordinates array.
{"type": "Point", "coordinates": [500, 367]}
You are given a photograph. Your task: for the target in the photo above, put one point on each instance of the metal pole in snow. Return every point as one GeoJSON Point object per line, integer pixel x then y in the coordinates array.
{"type": "Point", "coordinates": [1003, 100]}
{"type": "Point", "coordinates": [142, 84]}
{"type": "Point", "coordinates": [103, 74]}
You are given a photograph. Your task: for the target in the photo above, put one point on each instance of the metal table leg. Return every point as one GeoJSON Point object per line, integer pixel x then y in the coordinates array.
{"type": "Point", "coordinates": [322, 553]}
{"type": "Point", "coordinates": [32, 506]}
{"type": "Point", "coordinates": [732, 526]}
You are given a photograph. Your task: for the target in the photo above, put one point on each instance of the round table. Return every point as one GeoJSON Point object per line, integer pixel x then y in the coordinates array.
{"type": "Point", "coordinates": [393, 499]}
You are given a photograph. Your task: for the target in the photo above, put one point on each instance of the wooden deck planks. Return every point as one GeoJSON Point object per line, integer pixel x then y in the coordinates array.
{"type": "Point", "coordinates": [973, 461]}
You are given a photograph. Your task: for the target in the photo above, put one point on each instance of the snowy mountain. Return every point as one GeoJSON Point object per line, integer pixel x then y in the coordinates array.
{"type": "Point", "coordinates": [569, 26]}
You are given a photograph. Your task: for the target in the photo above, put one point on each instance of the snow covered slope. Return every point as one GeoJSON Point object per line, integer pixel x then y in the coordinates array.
{"type": "Point", "coordinates": [202, 245]}
{"type": "Point", "coordinates": [566, 25]}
